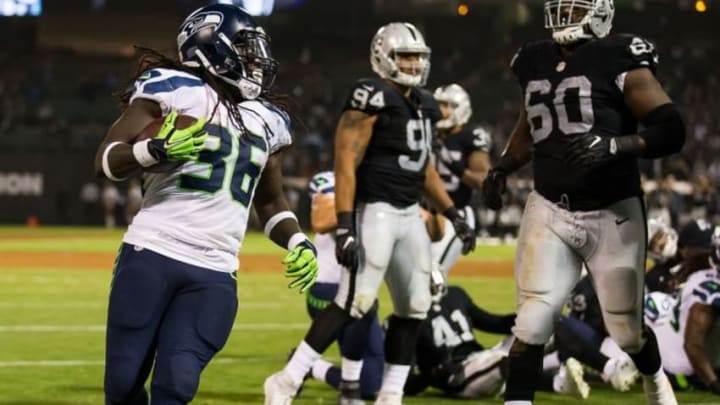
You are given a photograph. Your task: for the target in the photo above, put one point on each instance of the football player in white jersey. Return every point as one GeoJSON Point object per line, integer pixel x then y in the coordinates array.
{"type": "Point", "coordinates": [173, 298]}
{"type": "Point", "coordinates": [688, 327]}
{"type": "Point", "coordinates": [361, 342]}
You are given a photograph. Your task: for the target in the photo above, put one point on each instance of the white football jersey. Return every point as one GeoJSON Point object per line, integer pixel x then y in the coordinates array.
{"type": "Point", "coordinates": [198, 213]}
{"type": "Point", "coordinates": [330, 270]}
{"type": "Point", "coordinates": [669, 325]}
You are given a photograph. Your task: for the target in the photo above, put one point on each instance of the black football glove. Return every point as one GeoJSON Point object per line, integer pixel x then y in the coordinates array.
{"type": "Point", "coordinates": [493, 188]}
{"type": "Point", "coordinates": [589, 150]}
{"type": "Point", "coordinates": [462, 229]}
{"type": "Point", "coordinates": [347, 246]}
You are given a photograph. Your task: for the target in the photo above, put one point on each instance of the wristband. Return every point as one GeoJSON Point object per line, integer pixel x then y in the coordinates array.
{"type": "Point", "coordinates": [295, 240]}
{"type": "Point", "coordinates": [106, 163]}
{"type": "Point", "coordinates": [451, 213]}
{"type": "Point", "coordinates": [142, 154]}
{"type": "Point", "coordinates": [345, 219]}
{"type": "Point", "coordinates": [276, 219]}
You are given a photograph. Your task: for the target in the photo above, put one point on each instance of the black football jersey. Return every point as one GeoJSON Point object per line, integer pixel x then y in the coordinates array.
{"type": "Point", "coordinates": [447, 333]}
{"type": "Point", "coordinates": [393, 168]}
{"type": "Point", "coordinates": [584, 305]}
{"type": "Point", "coordinates": [577, 94]}
{"type": "Point", "coordinates": [455, 149]}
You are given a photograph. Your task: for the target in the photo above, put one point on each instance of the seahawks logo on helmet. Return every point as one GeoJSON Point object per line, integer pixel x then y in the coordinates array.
{"type": "Point", "coordinates": [197, 22]}
{"type": "Point", "coordinates": [322, 183]}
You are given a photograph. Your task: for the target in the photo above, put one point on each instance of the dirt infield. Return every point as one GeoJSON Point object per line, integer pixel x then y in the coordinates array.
{"type": "Point", "coordinates": [248, 263]}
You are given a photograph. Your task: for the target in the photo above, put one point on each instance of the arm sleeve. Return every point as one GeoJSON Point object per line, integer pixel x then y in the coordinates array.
{"type": "Point", "coordinates": [485, 321]}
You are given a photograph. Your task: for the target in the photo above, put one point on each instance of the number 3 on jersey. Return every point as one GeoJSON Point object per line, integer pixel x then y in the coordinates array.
{"type": "Point", "coordinates": [235, 162]}
{"type": "Point", "coordinates": [574, 114]}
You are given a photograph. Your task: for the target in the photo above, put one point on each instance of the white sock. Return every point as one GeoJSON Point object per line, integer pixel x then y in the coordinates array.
{"type": "Point", "coordinates": [609, 369]}
{"type": "Point", "coordinates": [301, 362]}
{"type": "Point", "coordinates": [551, 361]}
{"type": "Point", "coordinates": [351, 369]}
{"type": "Point", "coordinates": [320, 368]}
{"type": "Point", "coordinates": [518, 403]}
{"type": "Point", "coordinates": [394, 378]}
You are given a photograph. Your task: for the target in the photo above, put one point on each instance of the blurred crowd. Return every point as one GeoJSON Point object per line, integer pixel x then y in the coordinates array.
{"type": "Point", "coordinates": [45, 108]}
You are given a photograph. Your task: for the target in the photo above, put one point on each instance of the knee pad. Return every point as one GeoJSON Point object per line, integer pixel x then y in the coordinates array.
{"type": "Point", "coordinates": [628, 339]}
{"type": "Point", "coordinates": [535, 322]}
{"type": "Point", "coordinates": [416, 306]}
{"type": "Point", "coordinates": [180, 381]}
{"type": "Point", "coordinates": [122, 387]}
{"type": "Point", "coordinates": [619, 291]}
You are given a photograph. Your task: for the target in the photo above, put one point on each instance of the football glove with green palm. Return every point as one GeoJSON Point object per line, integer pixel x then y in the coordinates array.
{"type": "Point", "coordinates": [178, 144]}
{"type": "Point", "coordinates": [302, 266]}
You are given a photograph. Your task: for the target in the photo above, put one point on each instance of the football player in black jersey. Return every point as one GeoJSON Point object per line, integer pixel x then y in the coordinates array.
{"type": "Point", "coordinates": [382, 145]}
{"type": "Point", "coordinates": [584, 94]}
{"type": "Point", "coordinates": [462, 159]}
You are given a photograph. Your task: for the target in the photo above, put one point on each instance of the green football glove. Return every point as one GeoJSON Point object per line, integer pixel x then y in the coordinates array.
{"type": "Point", "coordinates": [178, 144]}
{"type": "Point", "coordinates": [301, 265]}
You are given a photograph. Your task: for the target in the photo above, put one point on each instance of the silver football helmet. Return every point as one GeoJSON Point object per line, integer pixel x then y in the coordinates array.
{"type": "Point", "coordinates": [400, 38]}
{"type": "Point", "coordinates": [573, 20]}
{"type": "Point", "coordinates": [662, 240]}
{"type": "Point", "coordinates": [459, 101]}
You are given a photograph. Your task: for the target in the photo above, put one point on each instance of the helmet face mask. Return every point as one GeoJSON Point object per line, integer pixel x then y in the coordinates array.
{"type": "Point", "coordinates": [225, 41]}
{"type": "Point", "coordinates": [398, 53]}
{"type": "Point", "coordinates": [458, 104]}
{"type": "Point", "coordinates": [573, 20]}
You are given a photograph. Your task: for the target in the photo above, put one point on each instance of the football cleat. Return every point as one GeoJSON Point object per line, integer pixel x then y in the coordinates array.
{"type": "Point", "coordinates": [279, 389]}
{"type": "Point", "coordinates": [389, 398]}
{"type": "Point", "coordinates": [350, 393]}
{"type": "Point", "coordinates": [658, 390]}
{"type": "Point", "coordinates": [624, 375]}
{"type": "Point", "coordinates": [569, 380]}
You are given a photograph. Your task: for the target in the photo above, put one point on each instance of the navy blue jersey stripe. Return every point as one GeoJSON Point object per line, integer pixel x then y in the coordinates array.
{"type": "Point", "coordinates": [171, 84]}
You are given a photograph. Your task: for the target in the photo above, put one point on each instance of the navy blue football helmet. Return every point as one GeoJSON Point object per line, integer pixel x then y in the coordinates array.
{"type": "Point", "coordinates": [227, 42]}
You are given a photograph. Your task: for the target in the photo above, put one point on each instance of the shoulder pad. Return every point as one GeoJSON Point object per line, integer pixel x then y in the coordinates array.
{"type": "Point", "coordinates": [367, 95]}
{"type": "Point", "coordinates": [168, 87]}
{"type": "Point", "coordinates": [527, 53]}
{"type": "Point", "coordinates": [630, 52]}
{"type": "Point", "coordinates": [262, 118]}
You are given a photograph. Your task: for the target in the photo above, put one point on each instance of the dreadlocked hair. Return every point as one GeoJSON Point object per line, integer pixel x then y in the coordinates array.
{"type": "Point", "coordinates": [227, 95]}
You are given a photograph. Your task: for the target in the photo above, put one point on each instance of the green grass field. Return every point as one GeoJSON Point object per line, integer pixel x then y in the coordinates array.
{"type": "Point", "coordinates": [52, 328]}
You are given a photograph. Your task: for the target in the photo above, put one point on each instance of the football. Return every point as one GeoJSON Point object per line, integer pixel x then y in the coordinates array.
{"type": "Point", "coordinates": [151, 130]}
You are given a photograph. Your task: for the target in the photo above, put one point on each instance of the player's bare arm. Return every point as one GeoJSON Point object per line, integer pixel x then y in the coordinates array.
{"type": "Point", "coordinates": [270, 200]}
{"type": "Point", "coordinates": [477, 170]}
{"type": "Point", "coordinates": [120, 159]}
{"type": "Point", "coordinates": [435, 190]}
{"type": "Point", "coordinates": [352, 137]}
{"type": "Point", "coordinates": [700, 322]}
{"type": "Point", "coordinates": [434, 224]}
{"type": "Point", "coordinates": [518, 151]}
{"type": "Point", "coordinates": [322, 213]}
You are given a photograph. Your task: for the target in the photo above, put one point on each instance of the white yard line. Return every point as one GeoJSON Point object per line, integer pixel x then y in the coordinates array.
{"type": "Point", "coordinates": [101, 328]}
{"type": "Point", "coordinates": [86, 363]}
{"type": "Point", "coordinates": [95, 304]}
